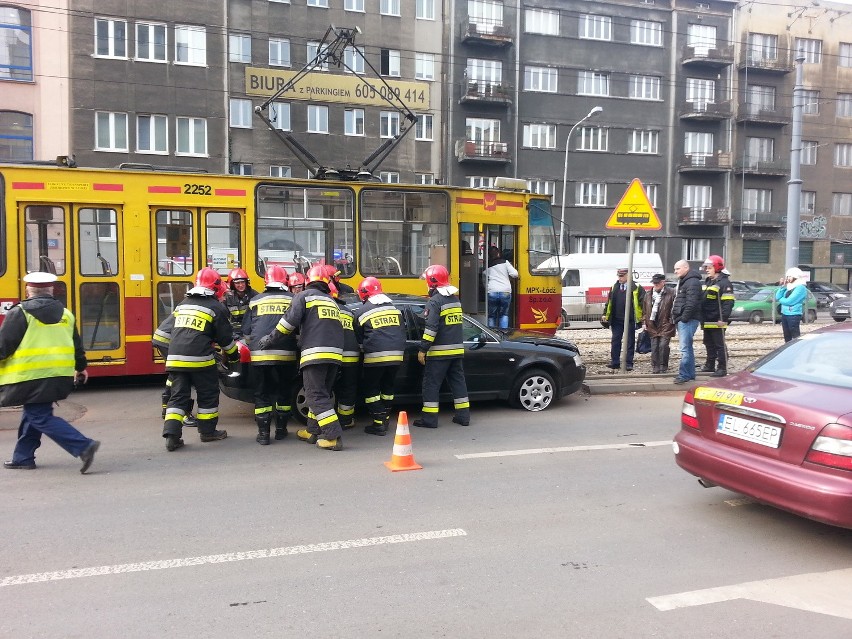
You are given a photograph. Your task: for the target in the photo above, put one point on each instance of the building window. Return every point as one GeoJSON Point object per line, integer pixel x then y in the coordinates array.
{"type": "Point", "coordinates": [807, 203]}
{"type": "Point", "coordinates": [542, 79]}
{"type": "Point", "coordinates": [844, 105]}
{"type": "Point", "coordinates": [239, 48]}
{"type": "Point", "coordinates": [389, 63]}
{"type": "Point", "coordinates": [754, 251]}
{"type": "Point", "coordinates": [590, 245]}
{"type": "Point", "coordinates": [591, 194]}
{"type": "Point", "coordinates": [485, 14]}
{"type": "Point", "coordinates": [388, 124]}
{"type": "Point", "coordinates": [16, 136]}
{"type": "Point", "coordinates": [279, 115]}
{"type": "Point", "coordinates": [697, 143]}
{"type": "Point", "coordinates": [700, 90]}
{"type": "Point", "coordinates": [542, 187]}
{"type": "Point", "coordinates": [806, 252]}
{"type": "Point", "coordinates": [759, 150]}
{"type": "Point", "coordinates": [646, 32]}
{"type": "Point", "coordinates": [240, 113]}
{"type": "Point", "coordinates": [389, 177]}
{"type": "Point", "coordinates": [151, 42]}
{"type": "Point", "coordinates": [484, 71]}
{"type": "Point", "coordinates": [762, 47]}
{"type": "Point", "coordinates": [809, 152]}
{"type": "Point", "coordinates": [423, 127]}
{"type": "Point", "coordinates": [645, 245]}
{"type": "Point", "coordinates": [353, 60]}
{"type": "Point", "coordinates": [695, 249]}
{"type": "Point", "coordinates": [484, 131]}
{"type": "Point", "coordinates": [353, 122]}
{"type": "Point", "coordinates": [424, 178]}
{"type": "Point", "coordinates": [843, 155]}
{"type": "Point", "coordinates": [110, 131]}
{"type": "Point", "coordinates": [543, 21]}
{"type": "Point", "coordinates": [241, 168]}
{"type": "Point", "coordinates": [756, 201]}
{"type": "Point", "coordinates": [424, 10]}
{"type": "Point", "coordinates": [190, 45]}
{"type": "Point", "coordinates": [389, 7]}
{"type": "Point", "coordinates": [760, 99]}
{"type": "Point", "coordinates": [110, 38]}
{"type": "Point", "coordinates": [812, 49]}
{"type": "Point", "coordinates": [644, 87]}
{"type": "Point", "coordinates": [595, 27]}
{"type": "Point", "coordinates": [16, 54]}
{"type": "Point", "coordinates": [317, 118]}
{"type": "Point", "coordinates": [845, 57]}
{"type": "Point", "coordinates": [480, 182]}
{"type": "Point", "coordinates": [697, 199]}
{"type": "Point", "coordinates": [152, 134]}
{"type": "Point", "coordinates": [322, 4]}
{"type": "Point", "coordinates": [279, 170]}
{"type": "Point", "coordinates": [313, 52]}
{"type": "Point", "coordinates": [593, 138]}
{"type": "Point", "coordinates": [810, 102]}
{"type": "Point", "coordinates": [540, 136]}
{"type": "Point", "coordinates": [424, 66]}
{"type": "Point", "coordinates": [191, 136]}
{"type": "Point", "coordinates": [593, 83]}
{"type": "Point", "coordinates": [702, 39]}
{"type": "Point", "coordinates": [841, 203]}
{"type": "Point", "coordinates": [651, 192]}
{"type": "Point", "coordinates": [354, 5]}
{"type": "Point", "coordinates": [279, 52]}
{"type": "Point", "coordinates": [642, 141]}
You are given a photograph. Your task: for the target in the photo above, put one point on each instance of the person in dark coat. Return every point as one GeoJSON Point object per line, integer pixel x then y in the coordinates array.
{"type": "Point", "coordinates": [717, 302]}
{"type": "Point", "coordinates": [619, 310]}
{"type": "Point", "coordinates": [686, 316]}
{"type": "Point", "coordinates": [657, 312]}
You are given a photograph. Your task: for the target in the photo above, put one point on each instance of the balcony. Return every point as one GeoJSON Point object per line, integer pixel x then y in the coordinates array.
{"type": "Point", "coordinates": [700, 216]}
{"type": "Point", "coordinates": [706, 111]}
{"type": "Point", "coordinates": [715, 58]}
{"type": "Point", "coordinates": [754, 61]}
{"type": "Point", "coordinates": [705, 163]}
{"type": "Point", "coordinates": [482, 31]}
{"type": "Point", "coordinates": [755, 218]}
{"type": "Point", "coordinates": [479, 151]}
{"type": "Point", "coordinates": [482, 93]}
{"type": "Point", "coordinates": [769, 168]}
{"type": "Point", "coordinates": [758, 114]}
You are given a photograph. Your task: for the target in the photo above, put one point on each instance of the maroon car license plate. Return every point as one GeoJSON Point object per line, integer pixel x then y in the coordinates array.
{"type": "Point", "coordinates": [750, 431]}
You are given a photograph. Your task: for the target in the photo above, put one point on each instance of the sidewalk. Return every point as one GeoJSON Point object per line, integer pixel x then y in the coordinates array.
{"type": "Point", "coordinates": [639, 383]}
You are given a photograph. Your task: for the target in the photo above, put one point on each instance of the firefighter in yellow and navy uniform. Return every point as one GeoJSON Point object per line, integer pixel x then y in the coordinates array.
{"type": "Point", "coordinates": [187, 335]}
{"type": "Point", "coordinates": [346, 386]}
{"type": "Point", "coordinates": [381, 332]}
{"type": "Point", "coordinates": [317, 317]}
{"type": "Point", "coordinates": [273, 370]}
{"type": "Point", "coordinates": [442, 349]}
{"type": "Point", "coordinates": [717, 302]}
{"type": "Point", "coordinates": [237, 298]}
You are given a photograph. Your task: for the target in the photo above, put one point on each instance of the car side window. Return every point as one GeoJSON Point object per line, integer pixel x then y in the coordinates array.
{"type": "Point", "coordinates": [472, 331]}
{"type": "Point", "coordinates": [415, 323]}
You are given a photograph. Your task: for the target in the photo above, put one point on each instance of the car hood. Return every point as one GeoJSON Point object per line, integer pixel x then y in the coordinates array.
{"type": "Point", "coordinates": [539, 339]}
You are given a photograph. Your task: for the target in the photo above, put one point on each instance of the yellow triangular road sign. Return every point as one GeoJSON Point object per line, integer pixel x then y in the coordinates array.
{"type": "Point", "coordinates": [634, 210]}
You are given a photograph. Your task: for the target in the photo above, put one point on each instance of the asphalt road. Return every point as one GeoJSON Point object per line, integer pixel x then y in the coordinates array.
{"type": "Point", "coordinates": [574, 522]}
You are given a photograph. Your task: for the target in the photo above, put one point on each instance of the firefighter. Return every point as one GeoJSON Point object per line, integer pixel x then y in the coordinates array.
{"type": "Point", "coordinates": [717, 302]}
{"type": "Point", "coordinates": [317, 317]}
{"type": "Point", "coordinates": [334, 277]}
{"type": "Point", "coordinates": [442, 349]}
{"type": "Point", "coordinates": [381, 332]}
{"type": "Point", "coordinates": [346, 386]}
{"type": "Point", "coordinates": [273, 370]}
{"type": "Point", "coordinates": [187, 335]}
{"type": "Point", "coordinates": [297, 283]}
{"type": "Point", "coordinates": [238, 297]}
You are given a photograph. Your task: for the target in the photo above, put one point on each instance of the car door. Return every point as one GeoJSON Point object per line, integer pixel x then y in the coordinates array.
{"type": "Point", "coordinates": [488, 365]}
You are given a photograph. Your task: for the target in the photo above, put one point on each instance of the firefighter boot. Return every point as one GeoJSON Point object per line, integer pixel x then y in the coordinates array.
{"type": "Point", "coordinates": [307, 436]}
{"type": "Point", "coordinates": [189, 420]}
{"type": "Point", "coordinates": [379, 425]}
{"type": "Point", "coordinates": [281, 424]}
{"type": "Point", "coordinates": [330, 444]}
{"type": "Point", "coordinates": [213, 435]}
{"type": "Point", "coordinates": [263, 426]}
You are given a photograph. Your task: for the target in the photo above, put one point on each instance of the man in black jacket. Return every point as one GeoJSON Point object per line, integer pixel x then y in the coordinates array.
{"type": "Point", "coordinates": [717, 302]}
{"type": "Point", "coordinates": [686, 315]}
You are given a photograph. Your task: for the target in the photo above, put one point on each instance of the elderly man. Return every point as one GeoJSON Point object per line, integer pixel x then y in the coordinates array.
{"type": "Point", "coordinates": [657, 309]}
{"type": "Point", "coordinates": [619, 309]}
{"type": "Point", "coordinates": [686, 315]}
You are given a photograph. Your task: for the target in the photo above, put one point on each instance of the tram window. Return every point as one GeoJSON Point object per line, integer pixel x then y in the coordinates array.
{"type": "Point", "coordinates": [174, 242]}
{"type": "Point", "coordinates": [542, 238]}
{"type": "Point", "coordinates": [298, 227]}
{"type": "Point", "coordinates": [398, 229]}
{"type": "Point", "coordinates": [98, 242]}
{"type": "Point", "coordinates": [99, 316]}
{"type": "Point", "coordinates": [168, 296]}
{"type": "Point", "coordinates": [223, 240]}
{"type": "Point", "coordinates": [45, 239]}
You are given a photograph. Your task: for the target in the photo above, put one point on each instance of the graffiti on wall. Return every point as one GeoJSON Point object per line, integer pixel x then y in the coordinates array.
{"type": "Point", "coordinates": [814, 229]}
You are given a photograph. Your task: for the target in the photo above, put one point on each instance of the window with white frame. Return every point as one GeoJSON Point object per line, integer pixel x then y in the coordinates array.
{"type": "Point", "coordinates": [317, 118]}
{"type": "Point", "coordinates": [651, 191]}
{"type": "Point", "coordinates": [542, 187]}
{"type": "Point", "coordinates": [354, 5]}
{"type": "Point", "coordinates": [480, 182]}
{"type": "Point", "coordinates": [810, 102]}
{"type": "Point", "coordinates": [279, 115]}
{"type": "Point", "coordinates": [593, 83]}
{"type": "Point", "coordinates": [843, 154]}
{"type": "Point", "coordinates": [760, 98]}
{"type": "Point", "coordinates": [807, 203]}
{"type": "Point", "coordinates": [483, 131]}
{"type": "Point", "coordinates": [695, 249]}
{"type": "Point", "coordinates": [542, 79]}
{"type": "Point", "coordinates": [841, 203]}
{"type": "Point", "coordinates": [845, 55]}
{"type": "Point", "coordinates": [388, 124]}
{"type": "Point", "coordinates": [645, 245]}
{"type": "Point", "coordinates": [592, 244]}
{"type": "Point", "coordinates": [110, 38]}
{"type": "Point", "coordinates": [281, 1]}
{"type": "Point", "coordinates": [190, 45]}
{"type": "Point", "coordinates": [698, 143]}
{"type": "Point", "coordinates": [540, 136]}
{"type": "Point", "coordinates": [424, 66]}
{"type": "Point", "coordinates": [697, 198]}
{"type": "Point", "coordinates": [279, 52]}
{"type": "Point", "coordinates": [700, 90]}
{"type": "Point", "coordinates": [701, 37]}
{"type": "Point", "coordinates": [543, 21]}
{"type": "Point", "coordinates": [151, 42]}
{"type": "Point", "coordinates": [389, 177]}
{"type": "Point", "coordinates": [241, 168]}
{"type": "Point", "coordinates": [811, 48]}
{"type": "Point", "coordinates": [424, 178]}
{"type": "Point", "coordinates": [152, 134]}
{"type": "Point", "coordinates": [280, 170]}
{"type": "Point", "coordinates": [756, 201]}
{"type": "Point", "coordinates": [644, 87]}
{"type": "Point", "coordinates": [759, 150]}
{"type": "Point", "coordinates": [644, 141]}
{"type": "Point", "coordinates": [240, 111]}
{"type": "Point", "coordinates": [808, 156]}
{"type": "Point", "coordinates": [485, 14]}
{"type": "Point", "coordinates": [646, 32]}
{"type": "Point", "coordinates": [322, 4]}
{"type": "Point", "coordinates": [424, 10]}
{"type": "Point", "coordinates": [191, 136]}
{"type": "Point", "coordinates": [389, 62]}
{"type": "Point", "coordinates": [239, 48]}
{"type": "Point", "coordinates": [594, 27]}
{"type": "Point", "coordinates": [844, 105]}
{"type": "Point", "coordinates": [591, 194]}
{"type": "Point", "coordinates": [110, 131]}
{"type": "Point", "coordinates": [484, 71]}
{"type": "Point", "coordinates": [423, 127]}
{"type": "Point", "coordinates": [353, 122]}
{"type": "Point", "coordinates": [313, 50]}
{"type": "Point", "coordinates": [762, 47]}
{"type": "Point", "coordinates": [389, 7]}
{"type": "Point", "coordinates": [353, 60]}
{"type": "Point", "coordinates": [593, 138]}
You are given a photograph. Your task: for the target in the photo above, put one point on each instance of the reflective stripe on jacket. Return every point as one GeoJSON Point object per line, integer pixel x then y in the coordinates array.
{"type": "Point", "coordinates": [444, 332]}
{"type": "Point", "coordinates": [381, 331]}
{"type": "Point", "coordinates": [265, 311]}
{"type": "Point", "coordinates": [46, 350]}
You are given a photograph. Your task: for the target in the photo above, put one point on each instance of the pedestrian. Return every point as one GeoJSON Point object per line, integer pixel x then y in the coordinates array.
{"type": "Point", "coordinates": [237, 298]}
{"type": "Point", "coordinates": [316, 316]}
{"type": "Point", "coordinates": [618, 311]}
{"type": "Point", "coordinates": [346, 386]}
{"type": "Point", "coordinates": [717, 302]}
{"type": "Point", "coordinates": [686, 316]}
{"type": "Point", "coordinates": [381, 333]}
{"type": "Point", "coordinates": [442, 349]}
{"type": "Point", "coordinates": [657, 311]}
{"type": "Point", "coordinates": [187, 336]}
{"type": "Point", "coordinates": [498, 288]}
{"type": "Point", "coordinates": [41, 360]}
{"type": "Point", "coordinates": [792, 294]}
{"type": "Point", "coordinates": [273, 371]}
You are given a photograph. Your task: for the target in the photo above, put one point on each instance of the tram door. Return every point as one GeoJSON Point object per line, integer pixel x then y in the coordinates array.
{"type": "Point", "coordinates": [505, 239]}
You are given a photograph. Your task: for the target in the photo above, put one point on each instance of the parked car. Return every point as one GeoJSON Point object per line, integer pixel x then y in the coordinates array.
{"type": "Point", "coordinates": [781, 430]}
{"type": "Point", "coordinates": [745, 288]}
{"type": "Point", "coordinates": [758, 307]}
{"type": "Point", "coordinates": [826, 292]}
{"type": "Point", "coordinates": [840, 309]}
{"type": "Point", "coordinates": [530, 370]}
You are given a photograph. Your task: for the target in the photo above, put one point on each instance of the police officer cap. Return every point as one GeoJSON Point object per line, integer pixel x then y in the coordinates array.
{"type": "Point", "coordinates": [621, 271]}
{"type": "Point", "coordinates": [39, 279]}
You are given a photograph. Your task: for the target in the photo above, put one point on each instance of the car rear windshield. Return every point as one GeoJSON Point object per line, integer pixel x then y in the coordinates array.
{"type": "Point", "coordinates": [818, 358]}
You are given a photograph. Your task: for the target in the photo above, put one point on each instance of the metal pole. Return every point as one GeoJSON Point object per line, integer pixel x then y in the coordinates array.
{"type": "Point", "coordinates": [628, 302]}
{"type": "Point", "coordinates": [794, 185]}
{"type": "Point", "coordinates": [595, 111]}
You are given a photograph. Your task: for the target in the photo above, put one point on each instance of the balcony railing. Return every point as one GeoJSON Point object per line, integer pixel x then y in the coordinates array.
{"type": "Point", "coordinates": [697, 216]}
{"type": "Point", "coordinates": [700, 110]}
{"type": "Point", "coordinates": [753, 217]}
{"type": "Point", "coordinates": [484, 31]}
{"type": "Point", "coordinates": [755, 61]}
{"type": "Point", "coordinates": [751, 166]}
{"type": "Point", "coordinates": [713, 57]}
{"type": "Point", "coordinates": [473, 151]}
{"type": "Point", "coordinates": [709, 163]}
{"type": "Point", "coordinates": [483, 92]}
{"type": "Point", "coordinates": [750, 112]}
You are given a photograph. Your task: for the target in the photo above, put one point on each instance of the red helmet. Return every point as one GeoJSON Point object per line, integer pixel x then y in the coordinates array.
{"type": "Point", "coordinates": [221, 290]}
{"type": "Point", "coordinates": [296, 280]}
{"type": "Point", "coordinates": [333, 290]}
{"type": "Point", "coordinates": [332, 272]}
{"type": "Point", "coordinates": [209, 279]}
{"type": "Point", "coordinates": [237, 275]}
{"type": "Point", "coordinates": [276, 276]}
{"type": "Point", "coordinates": [317, 273]}
{"type": "Point", "coordinates": [436, 275]}
{"type": "Point", "coordinates": [716, 262]}
{"type": "Point", "coordinates": [368, 287]}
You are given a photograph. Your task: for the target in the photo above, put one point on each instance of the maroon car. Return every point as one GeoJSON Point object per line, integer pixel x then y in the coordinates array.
{"type": "Point", "coordinates": [779, 431]}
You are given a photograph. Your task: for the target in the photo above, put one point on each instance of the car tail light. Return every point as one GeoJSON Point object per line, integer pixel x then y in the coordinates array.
{"type": "Point", "coordinates": [687, 412]}
{"type": "Point", "coordinates": [832, 447]}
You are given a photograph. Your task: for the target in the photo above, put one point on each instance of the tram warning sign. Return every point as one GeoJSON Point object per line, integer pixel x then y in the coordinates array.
{"type": "Point", "coordinates": [634, 210]}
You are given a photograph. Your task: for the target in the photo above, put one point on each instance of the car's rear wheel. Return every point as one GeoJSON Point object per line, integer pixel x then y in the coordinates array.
{"type": "Point", "coordinates": [300, 404]}
{"type": "Point", "coordinates": [533, 390]}
{"type": "Point", "coordinates": [812, 316]}
{"type": "Point", "coordinates": [839, 319]}
{"type": "Point", "coordinates": [756, 317]}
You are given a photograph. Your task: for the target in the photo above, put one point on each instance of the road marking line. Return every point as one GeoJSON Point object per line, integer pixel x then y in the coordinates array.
{"type": "Point", "coordinates": [267, 553]}
{"type": "Point", "coordinates": [563, 449]}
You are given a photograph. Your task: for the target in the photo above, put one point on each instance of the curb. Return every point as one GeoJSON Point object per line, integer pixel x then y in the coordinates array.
{"type": "Point", "coordinates": [611, 384]}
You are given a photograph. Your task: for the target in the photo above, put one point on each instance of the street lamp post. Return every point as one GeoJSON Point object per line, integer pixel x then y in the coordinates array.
{"type": "Point", "coordinates": [595, 111]}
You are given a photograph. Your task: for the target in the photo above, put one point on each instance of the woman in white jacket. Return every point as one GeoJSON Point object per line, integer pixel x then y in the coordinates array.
{"type": "Point", "coordinates": [498, 287]}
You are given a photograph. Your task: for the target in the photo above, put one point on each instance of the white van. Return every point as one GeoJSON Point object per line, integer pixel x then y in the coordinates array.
{"type": "Point", "coordinates": [588, 277]}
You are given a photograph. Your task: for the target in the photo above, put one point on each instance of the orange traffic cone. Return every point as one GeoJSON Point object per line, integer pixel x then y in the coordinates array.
{"type": "Point", "coordinates": [403, 457]}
